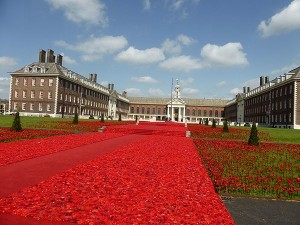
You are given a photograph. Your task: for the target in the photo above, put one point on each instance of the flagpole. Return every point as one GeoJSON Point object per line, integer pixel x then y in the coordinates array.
{"type": "Point", "coordinates": [171, 111]}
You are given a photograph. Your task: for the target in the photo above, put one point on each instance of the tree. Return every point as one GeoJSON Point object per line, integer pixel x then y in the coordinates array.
{"type": "Point", "coordinates": [213, 123]}
{"type": "Point", "coordinates": [225, 127]}
{"type": "Point", "coordinates": [206, 122]}
{"type": "Point", "coordinates": [75, 119]}
{"type": "Point", "coordinates": [253, 138]}
{"type": "Point", "coordinates": [16, 126]}
{"type": "Point", "coordinates": [120, 117]}
{"type": "Point", "coordinates": [102, 117]}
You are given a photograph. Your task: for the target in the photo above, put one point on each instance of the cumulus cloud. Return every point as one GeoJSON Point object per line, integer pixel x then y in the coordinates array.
{"type": "Point", "coordinates": [87, 11]}
{"type": "Point", "coordinates": [7, 61]}
{"type": "Point", "coordinates": [230, 54]}
{"type": "Point", "coordinates": [284, 69]}
{"type": "Point", "coordinates": [253, 83]}
{"type": "Point", "coordinates": [68, 60]}
{"type": "Point", "coordinates": [136, 56]}
{"type": "Point", "coordinates": [171, 47]}
{"type": "Point", "coordinates": [187, 81]}
{"type": "Point", "coordinates": [186, 40]}
{"type": "Point", "coordinates": [133, 91]}
{"type": "Point", "coordinates": [95, 48]}
{"type": "Point", "coordinates": [156, 92]}
{"type": "Point", "coordinates": [190, 91]}
{"type": "Point", "coordinates": [144, 79]}
{"type": "Point", "coordinates": [286, 20]}
{"type": "Point", "coordinates": [147, 4]}
{"type": "Point", "coordinates": [235, 91]}
{"type": "Point", "coordinates": [181, 64]}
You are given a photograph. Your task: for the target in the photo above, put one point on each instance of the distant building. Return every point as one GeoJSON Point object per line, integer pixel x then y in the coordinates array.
{"type": "Point", "coordinates": [274, 103]}
{"type": "Point", "coordinates": [177, 108]}
{"type": "Point", "coordinates": [3, 106]}
{"type": "Point", "coordinates": [47, 88]}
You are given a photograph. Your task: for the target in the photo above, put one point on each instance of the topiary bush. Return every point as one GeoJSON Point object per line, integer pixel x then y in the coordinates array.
{"type": "Point", "coordinates": [225, 127]}
{"type": "Point", "coordinates": [213, 123]}
{"type": "Point", "coordinates": [75, 119]}
{"type": "Point", "coordinates": [102, 117]}
{"type": "Point", "coordinates": [16, 126]}
{"type": "Point", "coordinates": [253, 138]}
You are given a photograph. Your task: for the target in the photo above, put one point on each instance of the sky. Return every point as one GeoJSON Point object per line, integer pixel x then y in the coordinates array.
{"type": "Point", "coordinates": [213, 47]}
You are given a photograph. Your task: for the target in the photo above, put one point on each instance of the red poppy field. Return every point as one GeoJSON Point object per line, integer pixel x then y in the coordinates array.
{"type": "Point", "coordinates": [158, 179]}
{"type": "Point", "coordinates": [269, 170]}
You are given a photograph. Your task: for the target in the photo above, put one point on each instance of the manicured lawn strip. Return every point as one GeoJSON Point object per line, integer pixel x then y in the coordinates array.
{"type": "Point", "coordinates": [7, 136]}
{"type": "Point", "coordinates": [12, 152]}
{"type": "Point", "coordinates": [156, 179]}
{"type": "Point", "coordinates": [268, 170]}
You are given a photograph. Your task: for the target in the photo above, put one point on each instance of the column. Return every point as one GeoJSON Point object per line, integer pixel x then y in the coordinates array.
{"type": "Point", "coordinates": [179, 114]}
{"type": "Point", "coordinates": [168, 111]}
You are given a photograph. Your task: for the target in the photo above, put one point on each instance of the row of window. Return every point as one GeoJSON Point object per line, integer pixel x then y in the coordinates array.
{"type": "Point", "coordinates": [32, 94]}
{"type": "Point", "coordinates": [74, 99]}
{"type": "Point", "coordinates": [159, 111]}
{"type": "Point", "coordinates": [199, 113]}
{"type": "Point", "coordinates": [278, 118]}
{"type": "Point", "coordinates": [33, 81]}
{"type": "Point", "coordinates": [31, 106]}
{"type": "Point", "coordinates": [274, 106]}
{"type": "Point", "coordinates": [72, 110]}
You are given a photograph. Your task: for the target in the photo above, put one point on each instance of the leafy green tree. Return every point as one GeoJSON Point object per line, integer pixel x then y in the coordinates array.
{"type": "Point", "coordinates": [102, 117]}
{"type": "Point", "coordinates": [225, 127]}
{"type": "Point", "coordinates": [213, 123]}
{"type": "Point", "coordinates": [75, 119]}
{"type": "Point", "coordinates": [16, 126]}
{"type": "Point", "coordinates": [253, 138]}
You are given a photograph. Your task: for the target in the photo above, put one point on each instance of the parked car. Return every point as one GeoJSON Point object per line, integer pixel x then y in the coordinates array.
{"type": "Point", "coordinates": [247, 125]}
{"type": "Point", "coordinates": [91, 117]}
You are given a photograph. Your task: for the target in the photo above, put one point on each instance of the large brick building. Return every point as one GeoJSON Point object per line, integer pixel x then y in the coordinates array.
{"type": "Point", "coordinates": [274, 103]}
{"type": "Point", "coordinates": [48, 88]}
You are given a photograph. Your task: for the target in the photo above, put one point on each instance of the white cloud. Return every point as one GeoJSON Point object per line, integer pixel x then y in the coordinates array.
{"type": "Point", "coordinates": [230, 54]}
{"type": "Point", "coordinates": [95, 48]}
{"type": "Point", "coordinates": [144, 79]}
{"type": "Point", "coordinates": [68, 60]}
{"type": "Point", "coordinates": [181, 64]}
{"type": "Point", "coordinates": [177, 4]}
{"type": "Point", "coordinates": [284, 69]}
{"type": "Point", "coordinates": [254, 83]}
{"type": "Point", "coordinates": [155, 92]}
{"type": "Point", "coordinates": [171, 47]}
{"type": "Point", "coordinates": [184, 39]}
{"type": "Point", "coordinates": [286, 20]}
{"type": "Point", "coordinates": [190, 91]}
{"type": "Point", "coordinates": [235, 91]}
{"type": "Point", "coordinates": [221, 84]}
{"type": "Point", "coordinates": [133, 91]}
{"type": "Point", "coordinates": [104, 83]}
{"type": "Point", "coordinates": [7, 61]}
{"type": "Point", "coordinates": [147, 4]}
{"type": "Point", "coordinates": [4, 87]}
{"type": "Point", "coordinates": [136, 56]}
{"type": "Point", "coordinates": [87, 11]}
{"type": "Point", "coordinates": [187, 81]}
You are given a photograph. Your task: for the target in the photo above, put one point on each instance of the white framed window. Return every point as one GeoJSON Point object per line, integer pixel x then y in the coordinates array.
{"type": "Point", "coordinates": [17, 81]}
{"type": "Point", "coordinates": [16, 94]}
{"type": "Point", "coordinates": [24, 106]}
{"type": "Point", "coordinates": [26, 69]}
{"type": "Point", "coordinates": [33, 82]}
{"type": "Point", "coordinates": [42, 82]}
{"type": "Point", "coordinates": [31, 106]}
{"type": "Point", "coordinates": [60, 107]}
{"type": "Point", "coordinates": [24, 94]}
{"type": "Point", "coordinates": [32, 94]}
{"type": "Point", "coordinates": [50, 82]}
{"type": "Point", "coordinates": [41, 96]}
{"type": "Point", "coordinates": [25, 81]}
{"type": "Point", "coordinates": [61, 97]}
{"type": "Point", "coordinates": [49, 95]}
{"type": "Point", "coordinates": [16, 106]}
{"type": "Point", "coordinates": [40, 107]}
{"type": "Point", "coordinates": [48, 107]}
{"type": "Point", "coordinates": [66, 97]}
{"type": "Point", "coordinates": [70, 98]}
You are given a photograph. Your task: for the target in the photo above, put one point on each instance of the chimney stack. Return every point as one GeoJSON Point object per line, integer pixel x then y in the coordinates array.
{"type": "Point", "coordinates": [248, 89]}
{"type": "Point", "coordinates": [267, 79]}
{"type": "Point", "coordinates": [109, 86]}
{"type": "Point", "coordinates": [42, 56]}
{"type": "Point", "coordinates": [262, 81]}
{"type": "Point", "coordinates": [112, 87]}
{"type": "Point", "coordinates": [91, 77]}
{"type": "Point", "coordinates": [95, 78]}
{"type": "Point", "coordinates": [124, 94]}
{"type": "Point", "coordinates": [244, 90]}
{"type": "Point", "coordinates": [59, 59]}
{"type": "Point", "coordinates": [50, 56]}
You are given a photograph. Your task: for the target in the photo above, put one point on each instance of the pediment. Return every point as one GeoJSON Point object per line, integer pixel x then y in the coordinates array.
{"type": "Point", "coordinates": [176, 101]}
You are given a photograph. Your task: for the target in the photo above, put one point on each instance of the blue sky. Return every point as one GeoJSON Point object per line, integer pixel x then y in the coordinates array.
{"type": "Point", "coordinates": [214, 47]}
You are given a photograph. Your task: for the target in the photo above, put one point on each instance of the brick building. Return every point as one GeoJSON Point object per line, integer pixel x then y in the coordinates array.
{"type": "Point", "coordinates": [274, 103]}
{"type": "Point", "coordinates": [48, 88]}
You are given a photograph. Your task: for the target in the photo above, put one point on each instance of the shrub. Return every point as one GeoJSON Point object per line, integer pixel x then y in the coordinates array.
{"type": "Point", "coordinates": [102, 117]}
{"type": "Point", "coordinates": [213, 123]}
{"type": "Point", "coordinates": [253, 138]}
{"type": "Point", "coordinates": [225, 127]}
{"type": "Point", "coordinates": [16, 126]}
{"type": "Point", "coordinates": [120, 117]}
{"type": "Point", "coordinates": [75, 119]}
{"type": "Point", "coordinates": [206, 121]}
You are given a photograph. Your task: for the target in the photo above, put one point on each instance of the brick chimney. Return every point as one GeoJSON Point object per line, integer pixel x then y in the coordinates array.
{"type": "Point", "coordinates": [42, 56]}
{"type": "Point", "coordinates": [59, 59]}
{"type": "Point", "coordinates": [95, 78]}
{"type": "Point", "coordinates": [50, 56]}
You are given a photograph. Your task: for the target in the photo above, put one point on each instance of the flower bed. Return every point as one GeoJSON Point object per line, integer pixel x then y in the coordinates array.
{"type": "Point", "coordinates": [202, 132]}
{"type": "Point", "coordinates": [153, 180]}
{"type": "Point", "coordinates": [6, 135]}
{"type": "Point", "coordinates": [21, 150]}
{"type": "Point", "coordinates": [268, 170]}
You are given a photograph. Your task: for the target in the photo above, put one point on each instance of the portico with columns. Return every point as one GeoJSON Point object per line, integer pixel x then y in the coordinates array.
{"type": "Point", "coordinates": [176, 107]}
